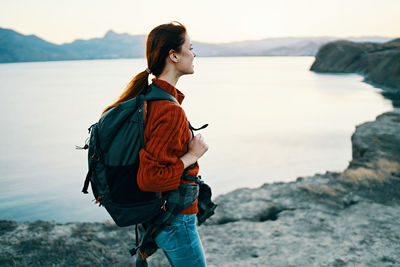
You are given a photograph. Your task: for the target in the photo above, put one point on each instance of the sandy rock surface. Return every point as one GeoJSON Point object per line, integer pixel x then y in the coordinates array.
{"type": "Point", "coordinates": [333, 219]}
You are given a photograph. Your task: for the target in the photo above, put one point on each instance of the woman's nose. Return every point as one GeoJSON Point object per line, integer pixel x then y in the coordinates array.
{"type": "Point", "coordinates": [194, 54]}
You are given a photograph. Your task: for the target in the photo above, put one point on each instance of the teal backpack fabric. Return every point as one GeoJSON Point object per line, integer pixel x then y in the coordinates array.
{"type": "Point", "coordinates": [113, 159]}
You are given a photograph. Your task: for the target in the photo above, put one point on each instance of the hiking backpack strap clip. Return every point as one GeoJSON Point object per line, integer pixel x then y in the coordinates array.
{"type": "Point", "coordinates": [192, 177]}
{"type": "Point", "coordinates": [92, 162]}
{"type": "Point", "coordinates": [196, 129]}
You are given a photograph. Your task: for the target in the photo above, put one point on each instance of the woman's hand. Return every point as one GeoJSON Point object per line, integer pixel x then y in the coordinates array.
{"type": "Point", "coordinates": [197, 148]}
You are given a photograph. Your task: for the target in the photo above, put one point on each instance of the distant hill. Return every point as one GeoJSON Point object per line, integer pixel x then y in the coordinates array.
{"type": "Point", "coordinates": [379, 63]}
{"type": "Point", "coordinates": [16, 47]}
{"type": "Point", "coordinates": [112, 45]}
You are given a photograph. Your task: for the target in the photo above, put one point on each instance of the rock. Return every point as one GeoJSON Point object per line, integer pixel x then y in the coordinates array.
{"type": "Point", "coordinates": [377, 141]}
{"type": "Point", "coordinates": [242, 204]}
{"type": "Point", "coordinates": [7, 226]}
{"type": "Point", "coordinates": [331, 219]}
{"type": "Point", "coordinates": [378, 63]}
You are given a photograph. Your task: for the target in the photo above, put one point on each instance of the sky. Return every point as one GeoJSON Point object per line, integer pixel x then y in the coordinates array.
{"type": "Point", "coordinates": [209, 21]}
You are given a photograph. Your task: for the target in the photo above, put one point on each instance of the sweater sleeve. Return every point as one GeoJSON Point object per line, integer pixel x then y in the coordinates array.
{"type": "Point", "coordinates": [160, 168]}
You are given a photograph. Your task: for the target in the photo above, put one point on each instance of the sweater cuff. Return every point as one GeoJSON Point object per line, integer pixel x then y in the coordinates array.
{"type": "Point", "coordinates": [180, 166]}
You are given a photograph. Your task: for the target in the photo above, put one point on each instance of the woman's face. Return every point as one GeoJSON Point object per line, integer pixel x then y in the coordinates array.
{"type": "Point", "coordinates": [185, 57]}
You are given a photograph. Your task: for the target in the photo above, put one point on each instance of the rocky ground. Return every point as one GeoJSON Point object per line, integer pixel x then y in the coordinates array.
{"type": "Point", "coordinates": [378, 63]}
{"type": "Point", "coordinates": [350, 218]}
{"type": "Point", "coordinates": [333, 219]}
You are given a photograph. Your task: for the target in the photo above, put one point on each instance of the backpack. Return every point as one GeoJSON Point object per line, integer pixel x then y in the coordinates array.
{"type": "Point", "coordinates": [113, 157]}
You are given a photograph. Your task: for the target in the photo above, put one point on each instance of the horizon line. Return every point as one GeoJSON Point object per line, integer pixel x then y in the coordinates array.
{"type": "Point", "coordinates": [216, 43]}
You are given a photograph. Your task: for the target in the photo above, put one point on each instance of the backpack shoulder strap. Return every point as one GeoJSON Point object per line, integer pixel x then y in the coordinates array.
{"type": "Point", "coordinates": [156, 93]}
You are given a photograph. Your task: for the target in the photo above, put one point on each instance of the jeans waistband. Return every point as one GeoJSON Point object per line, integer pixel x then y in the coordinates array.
{"type": "Point", "coordinates": [184, 217]}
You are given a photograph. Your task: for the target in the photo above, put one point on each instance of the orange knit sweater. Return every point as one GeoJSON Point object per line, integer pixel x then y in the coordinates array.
{"type": "Point", "coordinates": [166, 137]}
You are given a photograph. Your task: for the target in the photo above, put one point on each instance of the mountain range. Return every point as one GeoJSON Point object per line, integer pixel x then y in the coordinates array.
{"type": "Point", "coordinates": [16, 47]}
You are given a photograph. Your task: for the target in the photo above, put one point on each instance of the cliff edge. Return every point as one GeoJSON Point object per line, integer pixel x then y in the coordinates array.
{"type": "Point", "coordinates": [349, 218]}
{"type": "Point", "coordinates": [378, 63]}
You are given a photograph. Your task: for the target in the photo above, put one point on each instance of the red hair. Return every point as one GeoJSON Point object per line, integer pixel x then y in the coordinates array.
{"type": "Point", "coordinates": [160, 41]}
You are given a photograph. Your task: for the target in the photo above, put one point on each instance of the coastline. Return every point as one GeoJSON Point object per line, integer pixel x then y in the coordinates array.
{"type": "Point", "coordinates": [379, 64]}
{"type": "Point", "coordinates": [331, 219]}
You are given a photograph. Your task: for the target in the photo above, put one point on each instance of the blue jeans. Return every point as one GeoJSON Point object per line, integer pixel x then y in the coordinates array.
{"type": "Point", "coordinates": [181, 243]}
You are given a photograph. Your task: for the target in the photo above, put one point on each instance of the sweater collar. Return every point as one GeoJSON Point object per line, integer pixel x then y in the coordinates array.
{"type": "Point", "coordinates": [179, 96]}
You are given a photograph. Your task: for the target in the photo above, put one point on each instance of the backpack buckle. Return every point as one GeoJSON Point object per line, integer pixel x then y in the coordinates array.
{"type": "Point", "coordinates": [98, 199]}
{"type": "Point", "coordinates": [164, 206]}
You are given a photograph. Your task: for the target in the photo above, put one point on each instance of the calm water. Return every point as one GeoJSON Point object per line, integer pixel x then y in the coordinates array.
{"type": "Point", "coordinates": [270, 120]}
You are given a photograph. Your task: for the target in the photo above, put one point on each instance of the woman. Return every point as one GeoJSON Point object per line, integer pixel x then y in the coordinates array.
{"type": "Point", "coordinates": [170, 147]}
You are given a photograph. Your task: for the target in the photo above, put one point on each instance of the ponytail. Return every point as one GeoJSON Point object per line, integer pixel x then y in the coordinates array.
{"type": "Point", "coordinates": [160, 41]}
{"type": "Point", "coordinates": [138, 85]}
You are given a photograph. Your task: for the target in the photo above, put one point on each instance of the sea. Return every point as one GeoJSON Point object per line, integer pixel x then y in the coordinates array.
{"type": "Point", "coordinates": [270, 120]}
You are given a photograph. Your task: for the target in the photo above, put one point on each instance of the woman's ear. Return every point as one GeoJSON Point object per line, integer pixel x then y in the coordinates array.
{"type": "Point", "coordinates": [172, 55]}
